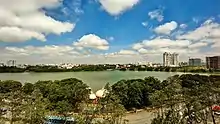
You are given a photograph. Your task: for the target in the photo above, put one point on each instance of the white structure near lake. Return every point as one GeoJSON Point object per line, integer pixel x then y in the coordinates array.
{"type": "Point", "coordinates": [170, 60]}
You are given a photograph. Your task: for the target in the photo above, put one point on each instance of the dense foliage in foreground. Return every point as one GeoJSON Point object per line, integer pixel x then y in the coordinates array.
{"type": "Point", "coordinates": [186, 94]}
{"type": "Point", "coordinates": [187, 99]}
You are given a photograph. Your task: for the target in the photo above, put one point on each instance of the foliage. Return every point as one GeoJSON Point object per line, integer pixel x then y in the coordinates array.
{"type": "Point", "coordinates": [108, 110]}
{"type": "Point", "coordinates": [35, 108]}
{"type": "Point", "coordinates": [28, 88]}
{"type": "Point", "coordinates": [180, 99]}
{"type": "Point", "coordinates": [190, 95]}
{"type": "Point", "coordinates": [9, 86]}
{"type": "Point", "coordinates": [135, 93]}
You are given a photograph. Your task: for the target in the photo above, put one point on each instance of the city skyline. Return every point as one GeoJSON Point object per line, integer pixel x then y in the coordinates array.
{"type": "Point", "coordinates": [107, 31]}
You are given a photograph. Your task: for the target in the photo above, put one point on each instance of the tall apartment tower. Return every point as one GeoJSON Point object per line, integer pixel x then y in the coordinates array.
{"type": "Point", "coordinates": [170, 59]}
{"type": "Point", "coordinates": [166, 59]}
{"type": "Point", "coordinates": [175, 59]}
{"type": "Point", "coordinates": [213, 62]}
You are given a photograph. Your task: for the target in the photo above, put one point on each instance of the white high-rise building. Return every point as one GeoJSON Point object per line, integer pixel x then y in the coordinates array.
{"type": "Point", "coordinates": [170, 59]}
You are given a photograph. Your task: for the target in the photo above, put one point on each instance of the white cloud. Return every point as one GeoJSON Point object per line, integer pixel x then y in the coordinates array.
{"type": "Point", "coordinates": [143, 51]}
{"type": "Point", "coordinates": [137, 46]}
{"type": "Point", "coordinates": [27, 16]}
{"type": "Point", "coordinates": [116, 7]}
{"type": "Point", "coordinates": [183, 26]}
{"type": "Point", "coordinates": [64, 54]}
{"type": "Point", "coordinates": [208, 30]}
{"type": "Point", "coordinates": [154, 48]}
{"type": "Point", "coordinates": [156, 14]}
{"type": "Point", "coordinates": [145, 24]}
{"type": "Point", "coordinates": [202, 41]}
{"type": "Point", "coordinates": [167, 28]}
{"type": "Point", "coordinates": [161, 42]}
{"type": "Point", "coordinates": [127, 52]}
{"type": "Point", "coordinates": [15, 34]}
{"type": "Point", "coordinates": [49, 50]}
{"type": "Point", "coordinates": [92, 41]}
{"type": "Point", "coordinates": [198, 45]}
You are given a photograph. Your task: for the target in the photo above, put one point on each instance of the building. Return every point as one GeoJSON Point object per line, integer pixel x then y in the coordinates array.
{"type": "Point", "coordinates": [11, 63]}
{"type": "Point", "coordinates": [170, 59]}
{"type": "Point", "coordinates": [182, 64]}
{"type": "Point", "coordinates": [213, 62]}
{"type": "Point", "coordinates": [175, 59]}
{"type": "Point", "coordinates": [195, 62]}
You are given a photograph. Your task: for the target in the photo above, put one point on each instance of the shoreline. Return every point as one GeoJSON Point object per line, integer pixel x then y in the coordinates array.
{"type": "Point", "coordinates": [29, 72]}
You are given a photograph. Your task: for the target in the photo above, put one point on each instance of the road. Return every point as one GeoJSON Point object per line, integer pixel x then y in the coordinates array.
{"type": "Point", "coordinates": [143, 117]}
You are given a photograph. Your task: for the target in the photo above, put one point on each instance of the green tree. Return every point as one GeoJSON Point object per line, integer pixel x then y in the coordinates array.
{"type": "Point", "coordinates": [34, 108]}
{"type": "Point", "coordinates": [28, 88]}
{"type": "Point", "coordinates": [9, 86]}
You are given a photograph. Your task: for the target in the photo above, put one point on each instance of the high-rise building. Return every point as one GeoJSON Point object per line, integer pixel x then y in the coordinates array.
{"type": "Point", "coordinates": [11, 63]}
{"type": "Point", "coordinates": [175, 59]}
{"type": "Point", "coordinates": [195, 62]}
{"type": "Point", "coordinates": [213, 62]}
{"type": "Point", "coordinates": [170, 59]}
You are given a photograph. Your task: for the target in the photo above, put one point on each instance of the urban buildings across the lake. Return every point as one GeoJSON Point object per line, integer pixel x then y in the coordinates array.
{"type": "Point", "coordinates": [195, 62]}
{"type": "Point", "coordinates": [213, 62]}
{"type": "Point", "coordinates": [170, 59]}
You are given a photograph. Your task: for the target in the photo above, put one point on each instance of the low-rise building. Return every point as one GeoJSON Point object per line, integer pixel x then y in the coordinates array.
{"type": "Point", "coordinates": [195, 62]}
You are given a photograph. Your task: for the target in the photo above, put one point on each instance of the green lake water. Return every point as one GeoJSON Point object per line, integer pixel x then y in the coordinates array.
{"type": "Point", "coordinates": [96, 80]}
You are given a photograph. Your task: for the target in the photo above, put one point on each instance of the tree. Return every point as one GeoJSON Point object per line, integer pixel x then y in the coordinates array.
{"type": "Point", "coordinates": [12, 103]}
{"type": "Point", "coordinates": [107, 111]}
{"type": "Point", "coordinates": [135, 93]}
{"type": "Point", "coordinates": [28, 88]}
{"type": "Point", "coordinates": [189, 102]}
{"type": "Point", "coordinates": [9, 86]}
{"type": "Point", "coordinates": [34, 108]}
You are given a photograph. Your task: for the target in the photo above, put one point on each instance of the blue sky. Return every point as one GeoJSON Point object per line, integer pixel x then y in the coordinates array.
{"type": "Point", "coordinates": [107, 31]}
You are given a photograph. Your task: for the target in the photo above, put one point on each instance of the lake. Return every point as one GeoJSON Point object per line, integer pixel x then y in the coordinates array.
{"type": "Point", "coordinates": [96, 80]}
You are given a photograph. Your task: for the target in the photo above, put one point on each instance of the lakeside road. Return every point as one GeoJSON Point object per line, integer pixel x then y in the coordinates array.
{"type": "Point", "coordinates": [142, 117]}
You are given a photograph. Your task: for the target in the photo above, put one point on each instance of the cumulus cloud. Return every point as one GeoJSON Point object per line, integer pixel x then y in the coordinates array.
{"type": "Point", "coordinates": [162, 42]}
{"type": "Point", "coordinates": [116, 7]}
{"type": "Point", "coordinates": [167, 28]}
{"type": "Point", "coordinates": [49, 50]}
{"type": "Point", "coordinates": [92, 41]}
{"type": "Point", "coordinates": [183, 26]}
{"type": "Point", "coordinates": [198, 45]}
{"type": "Point", "coordinates": [156, 14]}
{"type": "Point", "coordinates": [208, 30]}
{"type": "Point", "coordinates": [12, 34]}
{"type": "Point", "coordinates": [192, 43]}
{"type": "Point", "coordinates": [159, 45]}
{"type": "Point", "coordinates": [137, 46]}
{"type": "Point", "coordinates": [27, 16]}
{"type": "Point", "coordinates": [127, 52]}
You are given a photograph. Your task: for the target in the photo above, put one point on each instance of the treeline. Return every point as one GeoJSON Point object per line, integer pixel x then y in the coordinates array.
{"type": "Point", "coordinates": [106, 67]}
{"type": "Point", "coordinates": [6, 69]}
{"type": "Point", "coordinates": [179, 99]}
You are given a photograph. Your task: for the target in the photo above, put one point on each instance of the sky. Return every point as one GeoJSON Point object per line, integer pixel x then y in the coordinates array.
{"type": "Point", "coordinates": [107, 31]}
